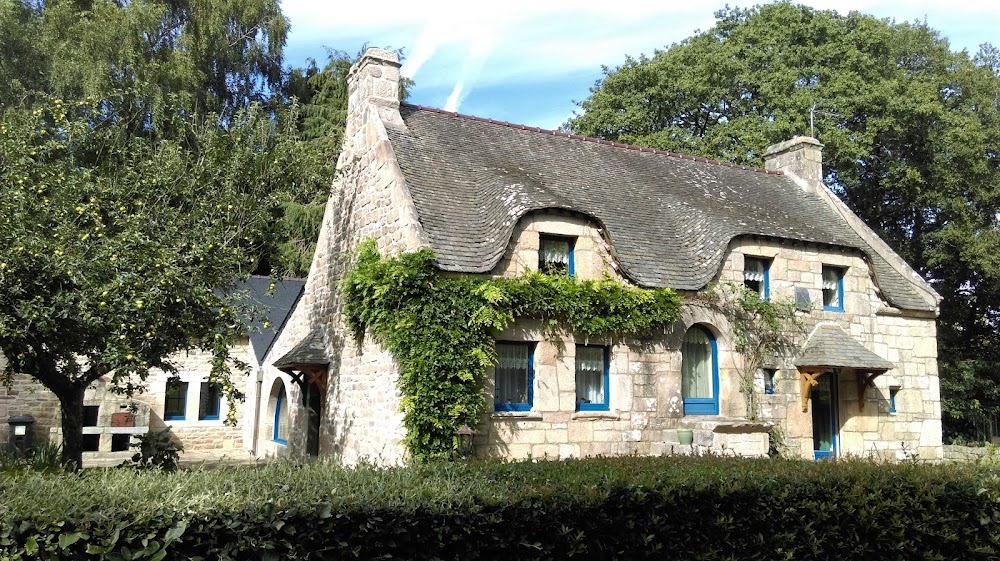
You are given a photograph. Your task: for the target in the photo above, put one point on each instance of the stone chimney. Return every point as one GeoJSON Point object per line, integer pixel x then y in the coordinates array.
{"type": "Point", "coordinates": [801, 158]}
{"type": "Point", "coordinates": [374, 80]}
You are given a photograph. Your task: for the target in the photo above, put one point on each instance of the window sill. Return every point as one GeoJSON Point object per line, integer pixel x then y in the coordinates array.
{"type": "Point", "coordinates": [595, 416]}
{"type": "Point", "coordinates": [516, 416]}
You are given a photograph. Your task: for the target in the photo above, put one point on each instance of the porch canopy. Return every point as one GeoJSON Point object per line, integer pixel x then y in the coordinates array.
{"type": "Point", "coordinates": [307, 362]}
{"type": "Point", "coordinates": [830, 348]}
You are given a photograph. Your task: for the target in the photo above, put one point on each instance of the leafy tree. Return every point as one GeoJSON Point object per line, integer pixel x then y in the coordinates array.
{"type": "Point", "coordinates": [140, 180]}
{"type": "Point", "coordinates": [912, 135]}
{"type": "Point", "coordinates": [114, 248]}
{"type": "Point", "coordinates": [322, 96]}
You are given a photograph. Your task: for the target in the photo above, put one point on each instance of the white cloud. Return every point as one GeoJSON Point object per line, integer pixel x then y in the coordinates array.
{"type": "Point", "coordinates": [456, 47]}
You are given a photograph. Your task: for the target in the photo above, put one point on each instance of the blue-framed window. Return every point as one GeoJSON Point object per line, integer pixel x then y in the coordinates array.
{"type": "Point", "coordinates": [833, 288]}
{"type": "Point", "coordinates": [209, 402]}
{"type": "Point", "coordinates": [769, 374]}
{"type": "Point", "coordinates": [280, 432]}
{"type": "Point", "coordinates": [514, 376]}
{"type": "Point", "coordinates": [757, 275]}
{"type": "Point", "coordinates": [893, 391]}
{"type": "Point", "coordinates": [592, 378]}
{"type": "Point", "coordinates": [175, 401]}
{"type": "Point", "coordinates": [555, 255]}
{"type": "Point", "coordinates": [700, 372]}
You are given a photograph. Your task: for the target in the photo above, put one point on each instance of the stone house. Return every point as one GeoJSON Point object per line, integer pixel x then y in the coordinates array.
{"type": "Point", "coordinates": [496, 199]}
{"type": "Point", "coordinates": [193, 409]}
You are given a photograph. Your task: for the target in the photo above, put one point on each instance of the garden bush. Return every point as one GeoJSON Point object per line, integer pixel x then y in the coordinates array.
{"type": "Point", "coordinates": [601, 508]}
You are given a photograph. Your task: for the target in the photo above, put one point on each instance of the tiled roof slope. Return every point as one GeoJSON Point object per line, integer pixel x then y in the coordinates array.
{"type": "Point", "coordinates": [310, 350]}
{"type": "Point", "coordinates": [670, 218]}
{"type": "Point", "coordinates": [275, 306]}
{"type": "Point", "coordinates": [830, 346]}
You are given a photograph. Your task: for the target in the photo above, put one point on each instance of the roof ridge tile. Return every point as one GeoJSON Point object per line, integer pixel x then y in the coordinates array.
{"type": "Point", "coordinates": [572, 136]}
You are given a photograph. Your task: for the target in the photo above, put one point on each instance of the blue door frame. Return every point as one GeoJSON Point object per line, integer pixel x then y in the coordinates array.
{"type": "Point", "coordinates": [825, 406]}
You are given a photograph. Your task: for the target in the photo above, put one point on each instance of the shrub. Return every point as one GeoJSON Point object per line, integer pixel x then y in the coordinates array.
{"type": "Point", "coordinates": [602, 508]}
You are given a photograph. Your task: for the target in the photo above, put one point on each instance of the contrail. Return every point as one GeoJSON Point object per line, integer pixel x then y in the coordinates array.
{"type": "Point", "coordinates": [480, 49]}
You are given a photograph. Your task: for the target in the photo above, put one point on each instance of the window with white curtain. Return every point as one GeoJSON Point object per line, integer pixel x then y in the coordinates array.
{"type": "Point", "coordinates": [513, 377]}
{"type": "Point", "coordinates": [833, 288]}
{"type": "Point", "coordinates": [555, 255]}
{"type": "Point", "coordinates": [591, 378]}
{"type": "Point", "coordinates": [699, 372]}
{"type": "Point", "coordinates": [755, 275]}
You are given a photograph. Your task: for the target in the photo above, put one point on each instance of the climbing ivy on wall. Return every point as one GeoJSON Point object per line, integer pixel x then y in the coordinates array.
{"type": "Point", "coordinates": [440, 328]}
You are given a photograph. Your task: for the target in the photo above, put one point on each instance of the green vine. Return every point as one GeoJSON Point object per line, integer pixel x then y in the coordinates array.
{"type": "Point", "coordinates": [441, 328]}
{"type": "Point", "coordinates": [763, 330]}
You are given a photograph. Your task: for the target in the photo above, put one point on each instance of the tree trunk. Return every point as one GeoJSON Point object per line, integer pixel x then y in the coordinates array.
{"type": "Point", "coordinates": [71, 407]}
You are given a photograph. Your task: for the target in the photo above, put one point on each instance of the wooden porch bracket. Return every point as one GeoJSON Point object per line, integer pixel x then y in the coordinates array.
{"type": "Point", "coordinates": [806, 383]}
{"type": "Point", "coordinates": [305, 374]}
{"type": "Point", "coordinates": [865, 380]}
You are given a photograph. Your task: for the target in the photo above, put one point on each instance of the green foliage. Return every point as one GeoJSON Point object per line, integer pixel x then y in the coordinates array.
{"type": "Point", "coordinates": [321, 95]}
{"type": "Point", "coordinates": [912, 136]}
{"type": "Point", "coordinates": [114, 248]}
{"type": "Point", "coordinates": [46, 457]}
{"type": "Point", "coordinates": [141, 179]}
{"type": "Point", "coordinates": [763, 331]}
{"type": "Point", "coordinates": [212, 57]}
{"type": "Point", "coordinates": [155, 450]}
{"type": "Point", "coordinates": [441, 329]}
{"type": "Point", "coordinates": [599, 508]}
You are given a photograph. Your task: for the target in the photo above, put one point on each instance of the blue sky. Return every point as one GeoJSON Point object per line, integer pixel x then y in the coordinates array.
{"type": "Point", "coordinates": [528, 61]}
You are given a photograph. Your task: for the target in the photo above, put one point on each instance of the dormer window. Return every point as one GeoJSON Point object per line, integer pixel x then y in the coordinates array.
{"type": "Point", "coordinates": [756, 272]}
{"type": "Point", "coordinates": [833, 289]}
{"type": "Point", "coordinates": [555, 255]}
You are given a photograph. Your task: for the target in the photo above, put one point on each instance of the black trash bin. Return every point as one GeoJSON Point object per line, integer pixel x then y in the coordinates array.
{"type": "Point", "coordinates": [20, 431]}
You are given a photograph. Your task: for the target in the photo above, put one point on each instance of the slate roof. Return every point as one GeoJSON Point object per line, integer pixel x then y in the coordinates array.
{"type": "Point", "coordinates": [276, 308]}
{"type": "Point", "coordinates": [670, 218]}
{"type": "Point", "coordinates": [310, 350]}
{"type": "Point", "coordinates": [830, 346]}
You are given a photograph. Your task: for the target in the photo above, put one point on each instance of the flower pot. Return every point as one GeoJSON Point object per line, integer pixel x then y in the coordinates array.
{"type": "Point", "coordinates": [685, 436]}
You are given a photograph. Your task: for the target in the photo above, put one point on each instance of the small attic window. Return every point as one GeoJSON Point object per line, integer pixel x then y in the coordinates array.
{"type": "Point", "coordinates": [555, 255]}
{"type": "Point", "coordinates": [833, 288]}
{"type": "Point", "coordinates": [756, 275]}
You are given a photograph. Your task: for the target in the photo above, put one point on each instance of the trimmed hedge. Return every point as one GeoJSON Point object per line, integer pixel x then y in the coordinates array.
{"type": "Point", "coordinates": [603, 508]}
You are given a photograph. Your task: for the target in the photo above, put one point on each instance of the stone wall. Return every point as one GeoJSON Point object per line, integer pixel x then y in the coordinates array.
{"type": "Point", "coordinates": [25, 396]}
{"type": "Point", "coordinates": [369, 201]}
{"type": "Point", "coordinates": [956, 453]}
{"type": "Point", "coordinates": [201, 439]}
{"type": "Point", "coordinates": [646, 403]}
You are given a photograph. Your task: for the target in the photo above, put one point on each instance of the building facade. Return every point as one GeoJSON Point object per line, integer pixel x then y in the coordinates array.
{"type": "Point", "coordinates": [496, 199]}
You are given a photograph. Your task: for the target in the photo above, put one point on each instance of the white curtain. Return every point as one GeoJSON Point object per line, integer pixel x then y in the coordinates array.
{"type": "Point", "coordinates": [753, 270]}
{"type": "Point", "coordinates": [555, 252]}
{"type": "Point", "coordinates": [696, 364]}
{"type": "Point", "coordinates": [831, 287]}
{"type": "Point", "coordinates": [590, 375]}
{"type": "Point", "coordinates": [512, 373]}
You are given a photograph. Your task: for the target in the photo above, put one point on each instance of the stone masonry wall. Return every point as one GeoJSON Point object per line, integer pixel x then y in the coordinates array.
{"type": "Point", "coordinates": [202, 439]}
{"type": "Point", "coordinates": [369, 200]}
{"type": "Point", "coordinates": [906, 339]}
{"type": "Point", "coordinates": [645, 375]}
{"type": "Point", "coordinates": [645, 402]}
{"type": "Point", "coordinates": [28, 397]}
